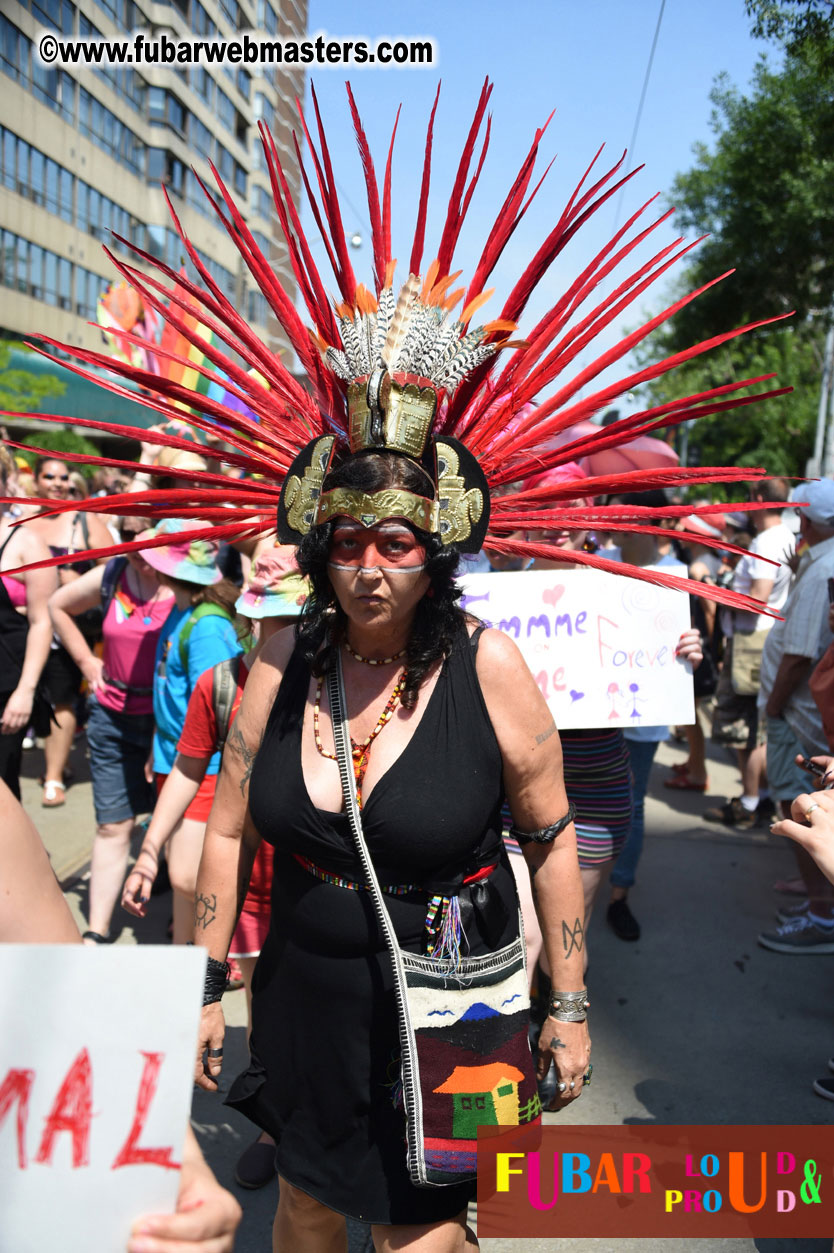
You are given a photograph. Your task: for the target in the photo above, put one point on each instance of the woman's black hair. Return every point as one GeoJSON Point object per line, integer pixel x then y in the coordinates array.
{"type": "Point", "coordinates": [437, 621]}
{"type": "Point", "coordinates": [41, 462]}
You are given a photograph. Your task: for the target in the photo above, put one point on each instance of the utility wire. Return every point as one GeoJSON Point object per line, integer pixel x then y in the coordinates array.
{"type": "Point", "coordinates": [639, 112]}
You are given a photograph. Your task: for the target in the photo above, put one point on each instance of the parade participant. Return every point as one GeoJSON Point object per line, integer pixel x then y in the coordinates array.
{"type": "Point", "coordinates": [198, 633]}
{"type": "Point", "coordinates": [273, 599]}
{"type": "Point", "coordinates": [381, 464]}
{"type": "Point", "coordinates": [464, 711]}
{"type": "Point", "coordinates": [37, 913]}
{"type": "Point", "coordinates": [65, 534]}
{"type": "Point", "coordinates": [25, 636]}
{"type": "Point", "coordinates": [134, 607]}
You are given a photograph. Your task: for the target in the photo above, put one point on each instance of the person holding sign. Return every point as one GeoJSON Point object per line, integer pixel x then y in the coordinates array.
{"type": "Point", "coordinates": [36, 913]}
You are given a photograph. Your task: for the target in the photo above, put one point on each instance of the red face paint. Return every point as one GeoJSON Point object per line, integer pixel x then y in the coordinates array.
{"type": "Point", "coordinates": [390, 546]}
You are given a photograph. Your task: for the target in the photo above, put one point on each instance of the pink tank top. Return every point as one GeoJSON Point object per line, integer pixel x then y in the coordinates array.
{"type": "Point", "coordinates": [16, 590]}
{"type": "Point", "coordinates": [131, 630]}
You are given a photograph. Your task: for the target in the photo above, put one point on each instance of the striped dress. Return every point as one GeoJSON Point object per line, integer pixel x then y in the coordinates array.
{"type": "Point", "coordinates": [598, 782]}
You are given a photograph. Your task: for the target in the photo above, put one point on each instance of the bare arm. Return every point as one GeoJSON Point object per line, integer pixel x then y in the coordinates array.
{"type": "Point", "coordinates": [178, 791]}
{"type": "Point", "coordinates": [32, 906]}
{"type": "Point", "coordinates": [231, 840]}
{"type": "Point", "coordinates": [73, 598]}
{"type": "Point", "coordinates": [793, 670]}
{"type": "Point", "coordinates": [534, 783]}
{"type": "Point", "coordinates": [39, 586]}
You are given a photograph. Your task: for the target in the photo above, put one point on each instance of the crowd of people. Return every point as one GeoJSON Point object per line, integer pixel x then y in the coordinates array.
{"type": "Point", "coordinates": [152, 651]}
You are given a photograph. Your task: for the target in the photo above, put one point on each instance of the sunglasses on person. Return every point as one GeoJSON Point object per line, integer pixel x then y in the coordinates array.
{"type": "Point", "coordinates": [127, 536]}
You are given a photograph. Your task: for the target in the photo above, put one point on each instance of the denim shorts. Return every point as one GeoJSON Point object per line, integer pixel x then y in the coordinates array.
{"type": "Point", "coordinates": [784, 777]}
{"type": "Point", "coordinates": [119, 748]}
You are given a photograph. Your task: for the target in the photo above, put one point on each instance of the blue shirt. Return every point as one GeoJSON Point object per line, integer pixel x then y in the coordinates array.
{"type": "Point", "coordinates": [212, 639]}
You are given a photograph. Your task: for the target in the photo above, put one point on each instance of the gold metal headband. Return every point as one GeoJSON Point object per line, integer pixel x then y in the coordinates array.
{"type": "Point", "coordinates": [368, 510]}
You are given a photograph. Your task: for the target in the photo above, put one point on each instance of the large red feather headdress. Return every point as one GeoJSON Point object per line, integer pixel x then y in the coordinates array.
{"type": "Point", "coordinates": [487, 386]}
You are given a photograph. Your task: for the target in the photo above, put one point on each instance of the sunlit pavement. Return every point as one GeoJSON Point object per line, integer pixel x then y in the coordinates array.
{"type": "Point", "coordinates": [693, 1023]}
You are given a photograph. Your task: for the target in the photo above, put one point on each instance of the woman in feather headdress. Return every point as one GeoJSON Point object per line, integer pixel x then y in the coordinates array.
{"type": "Point", "coordinates": [382, 472]}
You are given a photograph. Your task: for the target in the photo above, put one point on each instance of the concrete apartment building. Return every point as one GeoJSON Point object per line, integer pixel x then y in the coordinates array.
{"type": "Point", "coordinates": [84, 152]}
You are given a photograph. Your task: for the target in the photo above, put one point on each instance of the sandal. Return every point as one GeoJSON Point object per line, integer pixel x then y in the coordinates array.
{"type": "Point", "coordinates": [97, 937]}
{"type": "Point", "coordinates": [682, 783]}
{"type": "Point", "coordinates": [54, 794]}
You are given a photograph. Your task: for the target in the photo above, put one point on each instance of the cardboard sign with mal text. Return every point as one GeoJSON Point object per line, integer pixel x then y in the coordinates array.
{"type": "Point", "coordinates": [96, 1069]}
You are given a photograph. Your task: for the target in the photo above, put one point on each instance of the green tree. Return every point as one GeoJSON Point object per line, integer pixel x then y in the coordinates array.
{"type": "Point", "coordinates": [23, 391]}
{"type": "Point", "coordinates": [801, 25]}
{"type": "Point", "coordinates": [765, 193]}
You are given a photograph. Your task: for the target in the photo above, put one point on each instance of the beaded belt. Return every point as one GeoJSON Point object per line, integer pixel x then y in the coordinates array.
{"type": "Point", "coordinates": [326, 876]}
{"type": "Point", "coordinates": [443, 924]}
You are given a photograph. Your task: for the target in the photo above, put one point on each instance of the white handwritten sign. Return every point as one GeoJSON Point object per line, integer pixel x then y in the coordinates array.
{"type": "Point", "coordinates": [96, 1065]}
{"type": "Point", "coordinates": [601, 646]}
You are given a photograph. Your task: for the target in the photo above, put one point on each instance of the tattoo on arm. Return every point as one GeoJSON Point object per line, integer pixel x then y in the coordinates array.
{"type": "Point", "coordinates": [572, 937]}
{"type": "Point", "coordinates": [556, 1043]}
{"type": "Point", "coordinates": [545, 735]}
{"type": "Point", "coordinates": [239, 746]}
{"type": "Point", "coordinates": [205, 910]}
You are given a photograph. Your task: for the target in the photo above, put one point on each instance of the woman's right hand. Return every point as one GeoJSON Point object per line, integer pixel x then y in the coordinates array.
{"type": "Point", "coordinates": [209, 1042]}
{"type": "Point", "coordinates": [137, 889]}
{"type": "Point", "coordinates": [92, 669]}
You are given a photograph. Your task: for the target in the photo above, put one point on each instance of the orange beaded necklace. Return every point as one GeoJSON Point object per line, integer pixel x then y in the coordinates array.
{"type": "Point", "coordinates": [359, 752]}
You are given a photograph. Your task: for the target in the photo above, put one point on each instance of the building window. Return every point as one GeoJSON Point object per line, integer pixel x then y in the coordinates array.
{"type": "Point", "coordinates": [36, 272]}
{"type": "Point", "coordinates": [64, 284]}
{"type": "Point", "coordinates": [9, 161]}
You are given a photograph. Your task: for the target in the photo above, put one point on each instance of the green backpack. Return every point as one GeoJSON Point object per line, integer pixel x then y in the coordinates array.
{"type": "Point", "coordinates": [204, 610]}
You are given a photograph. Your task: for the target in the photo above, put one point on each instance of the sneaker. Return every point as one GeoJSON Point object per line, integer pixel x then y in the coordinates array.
{"type": "Point", "coordinates": [824, 1087]}
{"type": "Point", "coordinates": [786, 913]}
{"type": "Point", "coordinates": [766, 811]}
{"type": "Point", "coordinates": [256, 1165]}
{"type": "Point", "coordinates": [622, 921]}
{"type": "Point", "coordinates": [800, 935]}
{"type": "Point", "coordinates": [733, 814]}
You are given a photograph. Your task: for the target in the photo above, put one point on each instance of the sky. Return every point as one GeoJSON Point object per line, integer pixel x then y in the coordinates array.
{"type": "Point", "coordinates": [585, 61]}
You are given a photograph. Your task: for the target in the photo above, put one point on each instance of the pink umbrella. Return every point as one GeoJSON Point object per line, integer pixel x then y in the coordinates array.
{"type": "Point", "coordinates": [642, 453]}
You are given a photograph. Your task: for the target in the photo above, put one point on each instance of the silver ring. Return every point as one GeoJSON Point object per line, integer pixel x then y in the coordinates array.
{"type": "Point", "coordinates": [811, 808]}
{"type": "Point", "coordinates": [561, 1087]}
{"type": "Point", "coordinates": [215, 1052]}
{"type": "Point", "coordinates": [572, 1085]}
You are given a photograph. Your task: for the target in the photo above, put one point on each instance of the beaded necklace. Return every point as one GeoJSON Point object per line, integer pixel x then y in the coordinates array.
{"type": "Point", "coordinates": [359, 752]}
{"type": "Point", "coordinates": [374, 661]}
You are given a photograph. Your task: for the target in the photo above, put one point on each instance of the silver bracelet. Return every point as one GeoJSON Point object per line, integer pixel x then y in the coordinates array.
{"type": "Point", "coordinates": [569, 1006]}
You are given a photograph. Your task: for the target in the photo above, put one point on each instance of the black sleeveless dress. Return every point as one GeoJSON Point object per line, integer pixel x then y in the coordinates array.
{"type": "Point", "coordinates": [324, 1048]}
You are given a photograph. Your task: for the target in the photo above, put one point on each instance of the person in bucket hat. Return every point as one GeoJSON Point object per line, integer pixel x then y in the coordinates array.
{"type": "Point", "coordinates": [198, 633]}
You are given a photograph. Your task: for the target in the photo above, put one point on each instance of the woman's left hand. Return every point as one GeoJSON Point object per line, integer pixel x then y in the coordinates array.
{"type": "Point", "coordinates": [206, 1220]}
{"type": "Point", "coordinates": [17, 713]}
{"type": "Point", "coordinates": [568, 1046]}
{"type": "Point", "coordinates": [690, 648]}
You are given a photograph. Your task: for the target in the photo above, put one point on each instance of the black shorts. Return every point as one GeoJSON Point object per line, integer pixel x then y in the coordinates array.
{"type": "Point", "coordinates": [61, 677]}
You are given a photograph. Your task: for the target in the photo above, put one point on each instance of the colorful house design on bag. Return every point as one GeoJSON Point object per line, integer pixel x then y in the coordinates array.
{"type": "Point", "coordinates": [483, 1096]}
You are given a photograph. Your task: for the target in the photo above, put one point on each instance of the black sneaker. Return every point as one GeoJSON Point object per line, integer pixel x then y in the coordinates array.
{"type": "Point", "coordinates": [256, 1165]}
{"type": "Point", "coordinates": [766, 811]}
{"type": "Point", "coordinates": [733, 814]}
{"type": "Point", "coordinates": [622, 921]}
{"type": "Point", "coordinates": [824, 1087]}
{"type": "Point", "coordinates": [786, 913]}
{"type": "Point", "coordinates": [800, 935]}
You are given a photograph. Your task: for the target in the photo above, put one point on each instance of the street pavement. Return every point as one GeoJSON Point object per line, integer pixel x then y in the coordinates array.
{"type": "Point", "coordinates": [693, 1023]}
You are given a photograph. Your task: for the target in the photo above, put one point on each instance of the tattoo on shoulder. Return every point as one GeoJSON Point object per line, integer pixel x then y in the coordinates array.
{"type": "Point", "coordinates": [545, 735]}
{"type": "Point", "coordinates": [572, 937]}
{"type": "Point", "coordinates": [205, 910]}
{"type": "Point", "coordinates": [238, 745]}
